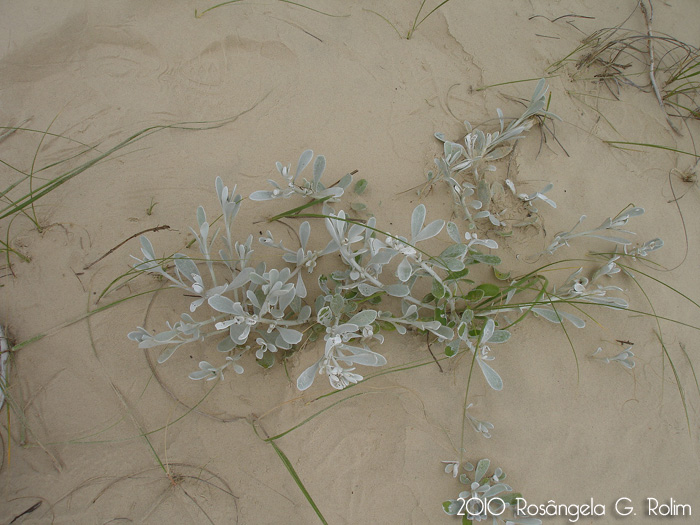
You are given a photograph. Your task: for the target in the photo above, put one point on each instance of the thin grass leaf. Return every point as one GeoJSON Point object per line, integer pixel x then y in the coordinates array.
{"type": "Point", "coordinates": [288, 465]}
{"type": "Point", "coordinates": [667, 148]}
{"type": "Point", "coordinates": [37, 193]}
{"type": "Point", "coordinates": [200, 14]}
{"type": "Point", "coordinates": [295, 211]}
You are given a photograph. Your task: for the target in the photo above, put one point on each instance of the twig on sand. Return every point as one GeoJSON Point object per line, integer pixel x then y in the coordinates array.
{"type": "Point", "coordinates": [648, 17]}
{"type": "Point", "coordinates": [157, 228]}
{"type": "Point", "coordinates": [427, 339]}
{"type": "Point", "coordinates": [4, 356]}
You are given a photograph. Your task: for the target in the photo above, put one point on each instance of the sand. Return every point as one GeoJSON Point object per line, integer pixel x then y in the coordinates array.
{"type": "Point", "coordinates": [90, 421]}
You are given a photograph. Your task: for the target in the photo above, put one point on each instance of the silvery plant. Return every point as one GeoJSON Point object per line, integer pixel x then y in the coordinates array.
{"type": "Point", "coordinates": [463, 167]}
{"type": "Point", "coordinates": [255, 312]}
{"type": "Point", "coordinates": [486, 498]}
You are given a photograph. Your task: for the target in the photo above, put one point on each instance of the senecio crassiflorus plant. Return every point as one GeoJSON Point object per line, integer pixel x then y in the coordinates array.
{"type": "Point", "coordinates": [260, 311]}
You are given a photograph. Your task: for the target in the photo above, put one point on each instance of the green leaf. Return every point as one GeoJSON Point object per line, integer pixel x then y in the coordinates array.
{"type": "Point", "coordinates": [453, 276]}
{"type": "Point", "coordinates": [367, 289]}
{"type": "Point", "coordinates": [345, 181]}
{"type": "Point", "coordinates": [360, 186]}
{"type": "Point", "coordinates": [511, 499]}
{"type": "Point", "coordinates": [358, 206]}
{"type": "Point", "coordinates": [461, 329]}
{"type": "Point", "coordinates": [453, 264]}
{"type": "Point", "coordinates": [490, 290]}
{"type": "Point", "coordinates": [397, 290]}
{"type": "Point", "coordinates": [385, 325]}
{"type": "Point", "coordinates": [501, 276]}
{"type": "Point", "coordinates": [455, 250]}
{"type": "Point", "coordinates": [226, 345]}
{"type": "Point", "coordinates": [438, 290]}
{"type": "Point", "coordinates": [491, 260]}
{"type": "Point", "coordinates": [452, 348]}
{"type": "Point", "coordinates": [475, 295]}
{"type": "Point", "coordinates": [440, 315]}
{"type": "Point", "coordinates": [467, 316]}
{"type": "Point", "coordinates": [165, 355]}
{"type": "Point", "coordinates": [483, 193]}
{"type": "Point", "coordinates": [267, 361]}
{"type": "Point", "coordinates": [453, 232]}
{"type": "Point", "coordinates": [363, 318]}
{"type": "Point", "coordinates": [481, 469]}
{"type": "Point", "coordinates": [500, 336]}
{"type": "Point", "coordinates": [337, 304]}
{"type": "Point", "coordinates": [350, 307]}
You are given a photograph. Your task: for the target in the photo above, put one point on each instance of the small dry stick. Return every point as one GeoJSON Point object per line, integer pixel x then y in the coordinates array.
{"type": "Point", "coordinates": [4, 355]}
{"type": "Point", "coordinates": [427, 340]}
{"type": "Point", "coordinates": [28, 511]}
{"type": "Point", "coordinates": [157, 228]}
{"type": "Point", "coordinates": [648, 17]}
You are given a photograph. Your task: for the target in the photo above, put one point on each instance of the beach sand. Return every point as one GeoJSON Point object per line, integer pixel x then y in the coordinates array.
{"type": "Point", "coordinates": [95, 435]}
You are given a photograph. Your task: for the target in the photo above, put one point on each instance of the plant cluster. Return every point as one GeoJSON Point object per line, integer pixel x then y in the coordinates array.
{"type": "Point", "coordinates": [266, 311]}
{"type": "Point", "coordinates": [652, 62]}
{"type": "Point", "coordinates": [463, 167]}
{"type": "Point", "coordinates": [487, 496]}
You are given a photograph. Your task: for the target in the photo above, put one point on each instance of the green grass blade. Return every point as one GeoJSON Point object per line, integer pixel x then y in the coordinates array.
{"type": "Point", "coordinates": [665, 353]}
{"type": "Point", "coordinates": [415, 21]}
{"type": "Point", "coordinates": [568, 338]}
{"type": "Point", "coordinates": [679, 385]}
{"type": "Point", "coordinates": [464, 407]}
{"type": "Point", "coordinates": [278, 436]}
{"type": "Point", "coordinates": [314, 10]}
{"type": "Point", "coordinates": [692, 368]}
{"type": "Point", "coordinates": [385, 19]}
{"type": "Point", "coordinates": [431, 12]}
{"type": "Point", "coordinates": [46, 188]}
{"type": "Point", "coordinates": [295, 211]}
{"type": "Point", "coordinates": [630, 269]}
{"type": "Point", "coordinates": [199, 14]}
{"type": "Point", "coordinates": [667, 148]}
{"type": "Point", "coordinates": [84, 316]}
{"type": "Point", "coordinates": [297, 480]}
{"type": "Point", "coordinates": [537, 79]}
{"type": "Point", "coordinates": [290, 468]}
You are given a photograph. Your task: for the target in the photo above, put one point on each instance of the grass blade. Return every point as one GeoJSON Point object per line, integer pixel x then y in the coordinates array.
{"type": "Point", "coordinates": [290, 468]}
{"type": "Point", "coordinates": [667, 148]}
{"type": "Point", "coordinates": [288, 465]}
